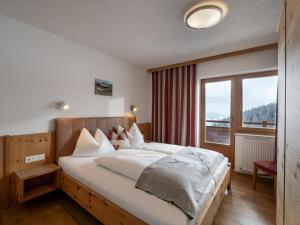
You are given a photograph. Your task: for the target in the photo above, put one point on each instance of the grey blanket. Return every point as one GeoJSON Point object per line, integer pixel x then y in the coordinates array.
{"type": "Point", "coordinates": [181, 178]}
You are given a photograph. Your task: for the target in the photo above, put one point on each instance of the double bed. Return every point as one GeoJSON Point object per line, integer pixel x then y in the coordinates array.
{"type": "Point", "coordinates": [111, 197]}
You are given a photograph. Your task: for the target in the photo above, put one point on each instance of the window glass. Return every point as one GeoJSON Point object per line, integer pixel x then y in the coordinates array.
{"type": "Point", "coordinates": [217, 112]}
{"type": "Point", "coordinates": [259, 102]}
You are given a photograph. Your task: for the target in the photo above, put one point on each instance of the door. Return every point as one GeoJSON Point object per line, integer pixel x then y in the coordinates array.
{"type": "Point", "coordinates": [216, 115]}
{"type": "Point", "coordinates": [292, 151]}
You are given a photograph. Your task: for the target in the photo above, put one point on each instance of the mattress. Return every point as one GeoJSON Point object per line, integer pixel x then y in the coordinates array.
{"type": "Point", "coordinates": [121, 191]}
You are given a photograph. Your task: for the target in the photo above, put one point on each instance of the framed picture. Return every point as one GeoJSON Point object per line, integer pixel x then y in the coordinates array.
{"type": "Point", "coordinates": [103, 87]}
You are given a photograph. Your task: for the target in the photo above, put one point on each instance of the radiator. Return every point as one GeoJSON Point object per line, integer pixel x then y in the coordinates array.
{"type": "Point", "coordinates": [249, 148]}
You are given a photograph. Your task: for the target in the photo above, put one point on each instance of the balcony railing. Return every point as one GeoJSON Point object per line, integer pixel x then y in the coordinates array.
{"type": "Point", "coordinates": [259, 124]}
{"type": "Point", "coordinates": [218, 131]}
{"type": "Point", "coordinates": [218, 121]}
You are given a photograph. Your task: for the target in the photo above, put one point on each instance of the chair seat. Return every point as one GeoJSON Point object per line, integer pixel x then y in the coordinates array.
{"type": "Point", "coordinates": [267, 166]}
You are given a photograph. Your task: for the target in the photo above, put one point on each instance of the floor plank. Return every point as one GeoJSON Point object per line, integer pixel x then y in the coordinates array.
{"type": "Point", "coordinates": [241, 206]}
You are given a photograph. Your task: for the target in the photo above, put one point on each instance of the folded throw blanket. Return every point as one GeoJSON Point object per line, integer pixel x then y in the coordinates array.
{"type": "Point", "coordinates": [181, 178]}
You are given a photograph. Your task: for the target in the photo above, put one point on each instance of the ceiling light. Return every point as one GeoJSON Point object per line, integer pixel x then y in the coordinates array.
{"type": "Point", "coordinates": [205, 14]}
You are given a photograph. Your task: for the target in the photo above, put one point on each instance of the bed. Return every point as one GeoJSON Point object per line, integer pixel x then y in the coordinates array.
{"type": "Point", "coordinates": [113, 198]}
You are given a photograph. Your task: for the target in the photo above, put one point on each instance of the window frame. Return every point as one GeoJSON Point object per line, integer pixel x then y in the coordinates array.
{"type": "Point", "coordinates": [239, 96]}
{"type": "Point", "coordinates": [219, 147]}
{"type": "Point", "coordinates": [236, 109]}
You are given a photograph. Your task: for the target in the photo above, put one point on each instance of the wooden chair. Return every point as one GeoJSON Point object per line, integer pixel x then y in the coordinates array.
{"type": "Point", "coordinates": [269, 167]}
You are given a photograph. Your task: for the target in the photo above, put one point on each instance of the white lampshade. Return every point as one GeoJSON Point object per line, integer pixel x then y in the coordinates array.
{"type": "Point", "coordinates": [205, 14]}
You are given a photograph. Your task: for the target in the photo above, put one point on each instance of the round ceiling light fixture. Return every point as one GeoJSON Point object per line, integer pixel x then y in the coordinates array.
{"type": "Point", "coordinates": [205, 14]}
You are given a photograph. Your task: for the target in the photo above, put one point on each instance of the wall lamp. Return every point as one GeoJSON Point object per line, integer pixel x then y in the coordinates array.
{"type": "Point", "coordinates": [61, 105]}
{"type": "Point", "coordinates": [133, 108]}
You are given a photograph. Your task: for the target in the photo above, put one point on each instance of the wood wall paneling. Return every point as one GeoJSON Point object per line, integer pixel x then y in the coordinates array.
{"type": "Point", "coordinates": [15, 151]}
{"type": "Point", "coordinates": [292, 178]}
{"type": "Point", "coordinates": [2, 142]}
{"type": "Point", "coordinates": [26, 145]}
{"type": "Point", "coordinates": [145, 129]}
{"type": "Point", "coordinates": [281, 121]}
{"type": "Point", "coordinates": [3, 182]}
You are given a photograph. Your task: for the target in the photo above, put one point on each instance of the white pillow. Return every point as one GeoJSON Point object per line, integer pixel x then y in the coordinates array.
{"type": "Point", "coordinates": [86, 145]}
{"type": "Point", "coordinates": [119, 130]}
{"type": "Point", "coordinates": [135, 135]}
{"type": "Point", "coordinates": [105, 145]}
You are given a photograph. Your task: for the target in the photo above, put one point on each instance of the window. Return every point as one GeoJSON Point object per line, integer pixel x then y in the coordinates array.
{"type": "Point", "coordinates": [218, 112]}
{"type": "Point", "coordinates": [259, 102]}
{"type": "Point", "coordinates": [237, 104]}
{"type": "Point", "coordinates": [242, 103]}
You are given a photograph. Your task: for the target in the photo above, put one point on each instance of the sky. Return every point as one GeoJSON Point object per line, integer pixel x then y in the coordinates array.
{"type": "Point", "coordinates": [256, 92]}
{"type": "Point", "coordinates": [217, 99]}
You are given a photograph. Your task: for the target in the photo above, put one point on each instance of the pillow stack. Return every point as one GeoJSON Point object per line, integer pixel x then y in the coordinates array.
{"type": "Point", "coordinates": [119, 138]}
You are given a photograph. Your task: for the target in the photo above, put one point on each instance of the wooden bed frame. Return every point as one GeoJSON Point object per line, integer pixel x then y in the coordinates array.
{"type": "Point", "coordinates": [67, 133]}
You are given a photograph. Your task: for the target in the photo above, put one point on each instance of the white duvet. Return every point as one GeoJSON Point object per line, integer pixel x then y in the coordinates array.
{"type": "Point", "coordinates": [129, 162]}
{"type": "Point", "coordinates": [159, 147]}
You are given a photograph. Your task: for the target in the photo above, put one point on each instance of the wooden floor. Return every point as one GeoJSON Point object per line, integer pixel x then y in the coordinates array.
{"type": "Point", "coordinates": [242, 206]}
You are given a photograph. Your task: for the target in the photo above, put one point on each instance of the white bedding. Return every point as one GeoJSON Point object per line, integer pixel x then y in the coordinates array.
{"type": "Point", "coordinates": [159, 147]}
{"type": "Point", "coordinates": [121, 190]}
{"type": "Point", "coordinates": [129, 162]}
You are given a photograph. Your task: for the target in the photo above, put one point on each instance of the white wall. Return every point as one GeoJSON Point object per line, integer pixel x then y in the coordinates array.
{"type": "Point", "coordinates": [38, 68]}
{"type": "Point", "coordinates": [252, 62]}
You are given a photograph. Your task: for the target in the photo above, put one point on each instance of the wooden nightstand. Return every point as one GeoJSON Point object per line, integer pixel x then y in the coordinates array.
{"type": "Point", "coordinates": [31, 183]}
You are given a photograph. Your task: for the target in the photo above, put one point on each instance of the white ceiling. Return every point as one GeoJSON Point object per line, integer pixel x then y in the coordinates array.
{"type": "Point", "coordinates": [149, 33]}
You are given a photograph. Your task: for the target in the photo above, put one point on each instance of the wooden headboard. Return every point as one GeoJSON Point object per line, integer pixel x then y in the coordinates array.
{"type": "Point", "coordinates": [68, 130]}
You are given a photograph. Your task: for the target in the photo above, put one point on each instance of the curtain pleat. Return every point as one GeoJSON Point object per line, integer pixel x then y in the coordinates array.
{"type": "Point", "coordinates": [181, 106]}
{"type": "Point", "coordinates": [193, 113]}
{"type": "Point", "coordinates": [154, 102]}
{"type": "Point", "coordinates": [170, 107]}
{"type": "Point", "coordinates": [166, 107]}
{"type": "Point", "coordinates": [161, 107]}
{"type": "Point", "coordinates": [188, 100]}
{"type": "Point", "coordinates": [177, 106]}
{"type": "Point", "coordinates": [174, 105]}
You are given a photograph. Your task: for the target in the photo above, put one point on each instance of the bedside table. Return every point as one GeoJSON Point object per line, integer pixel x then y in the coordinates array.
{"type": "Point", "coordinates": [34, 182]}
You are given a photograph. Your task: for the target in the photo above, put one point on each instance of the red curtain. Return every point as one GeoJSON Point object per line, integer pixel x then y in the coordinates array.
{"type": "Point", "coordinates": [174, 105]}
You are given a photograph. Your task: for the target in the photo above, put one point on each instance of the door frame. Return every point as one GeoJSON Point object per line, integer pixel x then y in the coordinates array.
{"type": "Point", "coordinates": [226, 150]}
{"type": "Point", "coordinates": [236, 112]}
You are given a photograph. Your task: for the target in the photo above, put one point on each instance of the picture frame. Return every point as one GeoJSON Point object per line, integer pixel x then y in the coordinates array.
{"type": "Point", "coordinates": [103, 87]}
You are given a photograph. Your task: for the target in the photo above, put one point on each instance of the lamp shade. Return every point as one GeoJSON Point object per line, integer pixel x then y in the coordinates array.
{"type": "Point", "coordinates": [205, 14]}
